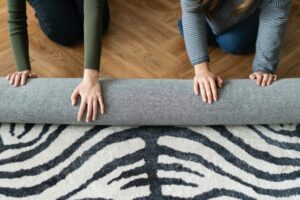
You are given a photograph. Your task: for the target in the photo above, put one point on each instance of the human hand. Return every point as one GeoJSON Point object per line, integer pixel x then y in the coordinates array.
{"type": "Point", "coordinates": [19, 78]}
{"type": "Point", "coordinates": [207, 83]}
{"type": "Point", "coordinates": [262, 78]}
{"type": "Point", "coordinates": [90, 91]}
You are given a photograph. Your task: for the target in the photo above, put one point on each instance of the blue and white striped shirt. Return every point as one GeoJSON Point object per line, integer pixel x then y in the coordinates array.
{"type": "Point", "coordinates": [272, 25]}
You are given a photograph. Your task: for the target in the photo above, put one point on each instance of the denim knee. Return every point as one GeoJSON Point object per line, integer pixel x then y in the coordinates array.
{"type": "Point", "coordinates": [106, 17]}
{"type": "Point", "coordinates": [235, 45]}
{"type": "Point", "coordinates": [65, 36]}
{"type": "Point", "coordinates": [241, 38]}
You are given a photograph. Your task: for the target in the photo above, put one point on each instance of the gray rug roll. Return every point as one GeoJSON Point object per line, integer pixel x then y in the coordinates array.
{"type": "Point", "coordinates": [153, 102]}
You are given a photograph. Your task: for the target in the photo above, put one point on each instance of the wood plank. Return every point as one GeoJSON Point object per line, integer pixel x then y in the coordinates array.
{"type": "Point", "coordinates": [143, 42]}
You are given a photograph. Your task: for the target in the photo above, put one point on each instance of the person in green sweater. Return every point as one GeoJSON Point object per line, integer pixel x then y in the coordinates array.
{"type": "Point", "coordinates": [64, 22]}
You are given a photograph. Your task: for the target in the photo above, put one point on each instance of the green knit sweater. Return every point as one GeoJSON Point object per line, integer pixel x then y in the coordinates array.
{"type": "Point", "coordinates": [92, 33]}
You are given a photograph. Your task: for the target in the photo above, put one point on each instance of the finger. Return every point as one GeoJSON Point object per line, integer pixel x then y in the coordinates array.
{"type": "Point", "coordinates": [270, 80]}
{"type": "Point", "coordinates": [74, 96]}
{"type": "Point", "coordinates": [259, 78]}
{"type": "Point", "coordinates": [89, 111]}
{"type": "Point", "coordinates": [203, 92]}
{"type": "Point", "coordinates": [95, 110]}
{"type": "Point", "coordinates": [275, 77]}
{"type": "Point", "coordinates": [32, 75]}
{"type": "Point", "coordinates": [81, 110]}
{"type": "Point", "coordinates": [208, 91]}
{"type": "Point", "coordinates": [265, 79]}
{"type": "Point", "coordinates": [101, 102]}
{"type": "Point", "coordinates": [23, 79]}
{"type": "Point", "coordinates": [17, 80]}
{"type": "Point", "coordinates": [12, 79]}
{"type": "Point", "coordinates": [196, 88]}
{"type": "Point", "coordinates": [8, 76]}
{"type": "Point", "coordinates": [220, 82]}
{"type": "Point", "coordinates": [214, 89]}
{"type": "Point", "coordinates": [252, 76]}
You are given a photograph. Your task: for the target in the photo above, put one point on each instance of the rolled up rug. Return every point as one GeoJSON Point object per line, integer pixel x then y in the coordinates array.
{"type": "Point", "coordinates": [153, 102]}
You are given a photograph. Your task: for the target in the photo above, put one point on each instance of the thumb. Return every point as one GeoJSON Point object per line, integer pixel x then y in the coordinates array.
{"type": "Point", "coordinates": [220, 82]}
{"type": "Point", "coordinates": [33, 75]}
{"type": "Point", "coordinates": [74, 96]}
{"type": "Point", "coordinates": [252, 76]}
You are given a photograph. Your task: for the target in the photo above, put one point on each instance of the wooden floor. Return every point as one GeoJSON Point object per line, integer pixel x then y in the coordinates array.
{"type": "Point", "coordinates": [143, 42]}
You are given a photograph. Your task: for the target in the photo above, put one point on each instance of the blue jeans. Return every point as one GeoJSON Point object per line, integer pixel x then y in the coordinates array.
{"type": "Point", "coordinates": [62, 20]}
{"type": "Point", "coordinates": [239, 39]}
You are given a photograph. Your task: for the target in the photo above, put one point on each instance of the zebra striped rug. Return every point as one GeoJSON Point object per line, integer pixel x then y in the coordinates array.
{"type": "Point", "coordinates": [44, 162]}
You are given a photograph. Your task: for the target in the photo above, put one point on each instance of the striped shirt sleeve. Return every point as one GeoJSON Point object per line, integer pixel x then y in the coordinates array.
{"type": "Point", "coordinates": [195, 33]}
{"type": "Point", "coordinates": [273, 21]}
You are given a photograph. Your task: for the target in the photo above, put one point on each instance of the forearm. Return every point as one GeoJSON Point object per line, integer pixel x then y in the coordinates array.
{"type": "Point", "coordinates": [195, 34]}
{"type": "Point", "coordinates": [92, 33]}
{"type": "Point", "coordinates": [272, 27]}
{"type": "Point", "coordinates": [18, 33]}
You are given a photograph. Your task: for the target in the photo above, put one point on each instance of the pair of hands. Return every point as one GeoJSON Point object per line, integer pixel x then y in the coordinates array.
{"type": "Point", "coordinates": [207, 83]}
{"type": "Point", "coordinates": [89, 90]}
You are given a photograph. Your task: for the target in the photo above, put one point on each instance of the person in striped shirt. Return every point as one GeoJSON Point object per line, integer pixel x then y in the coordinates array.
{"type": "Point", "coordinates": [239, 27]}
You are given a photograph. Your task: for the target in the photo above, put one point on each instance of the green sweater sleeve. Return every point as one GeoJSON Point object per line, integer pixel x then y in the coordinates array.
{"type": "Point", "coordinates": [93, 14]}
{"type": "Point", "coordinates": [18, 33]}
{"type": "Point", "coordinates": [93, 11]}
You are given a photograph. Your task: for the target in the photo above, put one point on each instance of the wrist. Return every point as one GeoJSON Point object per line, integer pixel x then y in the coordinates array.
{"type": "Point", "coordinates": [90, 75]}
{"type": "Point", "coordinates": [202, 67]}
{"type": "Point", "coordinates": [23, 69]}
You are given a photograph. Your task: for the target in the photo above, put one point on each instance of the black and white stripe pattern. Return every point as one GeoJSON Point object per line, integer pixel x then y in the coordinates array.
{"type": "Point", "coordinates": [205, 162]}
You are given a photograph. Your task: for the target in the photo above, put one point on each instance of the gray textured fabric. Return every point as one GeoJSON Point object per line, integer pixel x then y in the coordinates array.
{"type": "Point", "coordinates": [153, 102]}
